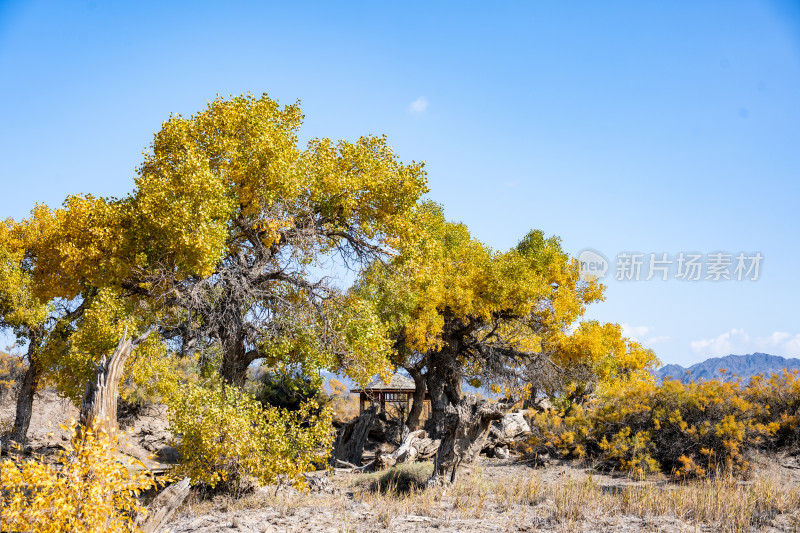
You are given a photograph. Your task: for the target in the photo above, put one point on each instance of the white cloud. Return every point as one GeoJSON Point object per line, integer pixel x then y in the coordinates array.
{"type": "Point", "coordinates": [737, 341]}
{"type": "Point", "coordinates": [724, 344]}
{"type": "Point", "coordinates": [639, 334]}
{"type": "Point", "coordinates": [658, 339]}
{"type": "Point", "coordinates": [792, 347]}
{"type": "Point", "coordinates": [419, 106]}
{"type": "Point", "coordinates": [635, 332]}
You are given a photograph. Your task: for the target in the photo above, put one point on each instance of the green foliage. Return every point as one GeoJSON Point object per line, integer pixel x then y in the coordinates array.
{"type": "Point", "coordinates": [680, 429]}
{"type": "Point", "coordinates": [227, 436]}
{"type": "Point", "coordinates": [289, 390]}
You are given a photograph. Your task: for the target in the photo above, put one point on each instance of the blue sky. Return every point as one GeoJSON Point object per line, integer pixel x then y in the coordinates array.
{"type": "Point", "coordinates": [619, 126]}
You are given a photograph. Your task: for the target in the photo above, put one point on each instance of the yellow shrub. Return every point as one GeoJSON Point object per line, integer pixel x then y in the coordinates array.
{"type": "Point", "coordinates": [226, 435]}
{"type": "Point", "coordinates": [683, 429]}
{"type": "Point", "coordinates": [776, 404]}
{"type": "Point", "coordinates": [90, 489]}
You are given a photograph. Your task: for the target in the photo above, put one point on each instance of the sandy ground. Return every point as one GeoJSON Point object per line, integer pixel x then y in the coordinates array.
{"type": "Point", "coordinates": [344, 511]}
{"type": "Point", "coordinates": [340, 504]}
{"type": "Point", "coordinates": [146, 439]}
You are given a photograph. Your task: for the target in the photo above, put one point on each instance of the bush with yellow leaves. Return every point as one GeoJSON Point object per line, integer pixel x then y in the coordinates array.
{"type": "Point", "coordinates": [681, 429]}
{"type": "Point", "coordinates": [91, 488]}
{"type": "Point", "coordinates": [12, 368]}
{"type": "Point", "coordinates": [227, 436]}
{"type": "Point", "coordinates": [776, 401]}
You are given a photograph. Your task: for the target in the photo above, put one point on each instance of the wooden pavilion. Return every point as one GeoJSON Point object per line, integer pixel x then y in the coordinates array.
{"type": "Point", "coordinates": [399, 391]}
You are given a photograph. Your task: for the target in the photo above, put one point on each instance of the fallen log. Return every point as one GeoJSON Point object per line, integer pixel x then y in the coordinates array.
{"type": "Point", "coordinates": [163, 507]}
{"type": "Point", "coordinates": [417, 446]}
{"type": "Point", "coordinates": [344, 466]}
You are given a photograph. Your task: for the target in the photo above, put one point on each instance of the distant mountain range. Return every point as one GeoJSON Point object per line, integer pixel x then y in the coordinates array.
{"type": "Point", "coordinates": [743, 366]}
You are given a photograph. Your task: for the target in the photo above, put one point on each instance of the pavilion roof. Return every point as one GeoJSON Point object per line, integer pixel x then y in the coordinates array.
{"type": "Point", "coordinates": [397, 382]}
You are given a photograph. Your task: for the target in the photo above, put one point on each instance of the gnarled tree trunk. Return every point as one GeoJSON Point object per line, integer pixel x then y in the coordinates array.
{"type": "Point", "coordinates": [349, 445]}
{"type": "Point", "coordinates": [99, 413]}
{"type": "Point", "coordinates": [444, 385]}
{"type": "Point", "coordinates": [465, 427]}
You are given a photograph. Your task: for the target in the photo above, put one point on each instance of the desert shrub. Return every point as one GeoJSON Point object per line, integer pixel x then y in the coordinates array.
{"type": "Point", "coordinates": [776, 402]}
{"type": "Point", "coordinates": [228, 436]}
{"type": "Point", "coordinates": [399, 479]}
{"type": "Point", "coordinates": [91, 488]}
{"type": "Point", "coordinates": [676, 428]}
{"type": "Point", "coordinates": [12, 368]}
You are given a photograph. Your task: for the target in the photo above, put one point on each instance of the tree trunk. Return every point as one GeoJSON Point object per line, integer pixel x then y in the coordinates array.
{"type": "Point", "coordinates": [234, 361]}
{"type": "Point", "coordinates": [444, 385]}
{"type": "Point", "coordinates": [30, 382]}
{"type": "Point", "coordinates": [349, 445]}
{"type": "Point", "coordinates": [99, 407]}
{"type": "Point", "coordinates": [419, 398]}
{"type": "Point", "coordinates": [465, 427]}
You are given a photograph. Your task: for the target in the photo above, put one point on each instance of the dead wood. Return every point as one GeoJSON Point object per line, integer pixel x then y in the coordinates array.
{"type": "Point", "coordinates": [163, 507]}
{"type": "Point", "coordinates": [99, 407]}
{"type": "Point", "coordinates": [344, 466]}
{"type": "Point", "coordinates": [417, 446]}
{"type": "Point", "coordinates": [99, 413]}
{"type": "Point", "coordinates": [349, 444]}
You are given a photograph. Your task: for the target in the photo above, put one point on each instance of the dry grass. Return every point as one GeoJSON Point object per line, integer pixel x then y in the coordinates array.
{"type": "Point", "coordinates": [721, 502]}
{"type": "Point", "coordinates": [539, 499]}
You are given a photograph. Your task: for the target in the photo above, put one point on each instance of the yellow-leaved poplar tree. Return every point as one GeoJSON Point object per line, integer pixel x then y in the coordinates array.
{"type": "Point", "coordinates": [459, 311]}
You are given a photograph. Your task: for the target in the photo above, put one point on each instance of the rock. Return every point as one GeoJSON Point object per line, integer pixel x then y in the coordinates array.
{"type": "Point", "coordinates": [512, 428]}
{"type": "Point", "coordinates": [319, 483]}
{"type": "Point", "coordinates": [168, 454]}
{"type": "Point", "coordinates": [515, 427]}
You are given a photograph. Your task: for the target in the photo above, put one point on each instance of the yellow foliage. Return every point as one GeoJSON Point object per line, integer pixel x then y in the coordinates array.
{"type": "Point", "coordinates": [226, 435]}
{"type": "Point", "coordinates": [524, 301]}
{"type": "Point", "coordinates": [12, 367]}
{"type": "Point", "coordinates": [90, 489]}
{"type": "Point", "coordinates": [20, 308]}
{"type": "Point", "coordinates": [345, 405]}
{"type": "Point", "coordinates": [640, 426]}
